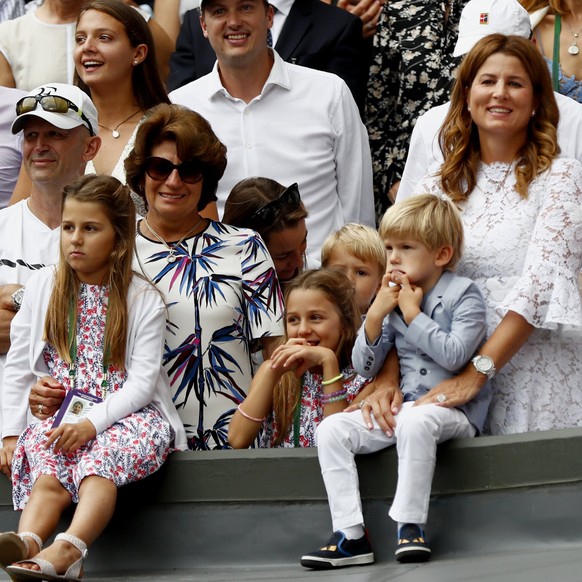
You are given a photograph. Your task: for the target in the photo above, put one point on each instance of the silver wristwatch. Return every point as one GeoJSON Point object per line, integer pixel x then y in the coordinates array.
{"type": "Point", "coordinates": [484, 365]}
{"type": "Point", "coordinates": [17, 298]}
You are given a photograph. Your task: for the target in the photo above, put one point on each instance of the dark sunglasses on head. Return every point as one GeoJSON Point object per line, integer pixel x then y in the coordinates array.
{"type": "Point", "coordinates": [268, 213]}
{"type": "Point", "coordinates": [160, 168]}
{"type": "Point", "coordinates": [52, 103]}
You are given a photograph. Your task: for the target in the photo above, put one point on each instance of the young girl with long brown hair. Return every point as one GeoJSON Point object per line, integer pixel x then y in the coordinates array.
{"type": "Point", "coordinates": [98, 329]}
{"type": "Point", "coordinates": [310, 376]}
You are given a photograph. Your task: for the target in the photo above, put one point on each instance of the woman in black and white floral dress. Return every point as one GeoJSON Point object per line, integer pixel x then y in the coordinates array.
{"type": "Point", "coordinates": [412, 70]}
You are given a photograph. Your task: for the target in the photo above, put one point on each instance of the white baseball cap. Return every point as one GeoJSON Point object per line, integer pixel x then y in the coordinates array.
{"type": "Point", "coordinates": [480, 18]}
{"type": "Point", "coordinates": [73, 109]}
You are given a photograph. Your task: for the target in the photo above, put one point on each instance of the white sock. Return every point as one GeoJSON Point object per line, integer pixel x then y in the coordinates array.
{"type": "Point", "coordinates": [354, 532]}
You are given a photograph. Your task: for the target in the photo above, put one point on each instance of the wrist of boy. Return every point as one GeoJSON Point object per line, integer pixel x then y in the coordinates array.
{"type": "Point", "coordinates": [410, 315]}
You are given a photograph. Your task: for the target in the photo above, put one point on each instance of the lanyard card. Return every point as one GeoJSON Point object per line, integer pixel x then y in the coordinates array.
{"type": "Point", "coordinates": [75, 407]}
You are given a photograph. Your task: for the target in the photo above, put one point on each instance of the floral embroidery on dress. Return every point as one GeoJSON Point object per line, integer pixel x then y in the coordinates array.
{"type": "Point", "coordinates": [311, 409]}
{"type": "Point", "coordinates": [525, 254]}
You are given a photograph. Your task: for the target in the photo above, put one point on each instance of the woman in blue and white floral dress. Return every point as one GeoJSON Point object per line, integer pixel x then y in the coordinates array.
{"type": "Point", "coordinates": [219, 282]}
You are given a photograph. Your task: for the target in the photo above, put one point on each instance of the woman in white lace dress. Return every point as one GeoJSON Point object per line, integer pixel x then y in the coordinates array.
{"type": "Point", "coordinates": [521, 208]}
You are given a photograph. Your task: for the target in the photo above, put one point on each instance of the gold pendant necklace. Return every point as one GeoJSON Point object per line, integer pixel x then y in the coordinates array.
{"type": "Point", "coordinates": [114, 133]}
{"type": "Point", "coordinates": [573, 48]}
{"type": "Point", "coordinates": [172, 249]}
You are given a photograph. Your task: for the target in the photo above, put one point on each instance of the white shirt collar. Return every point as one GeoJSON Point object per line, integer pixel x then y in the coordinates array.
{"type": "Point", "coordinates": [283, 6]}
{"type": "Point", "coordinates": [278, 76]}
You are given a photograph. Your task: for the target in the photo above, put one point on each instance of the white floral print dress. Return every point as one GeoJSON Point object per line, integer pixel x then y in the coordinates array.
{"type": "Point", "coordinates": [130, 450]}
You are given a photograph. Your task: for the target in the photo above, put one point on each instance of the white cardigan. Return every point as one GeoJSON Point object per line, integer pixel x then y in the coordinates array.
{"type": "Point", "coordinates": [146, 382]}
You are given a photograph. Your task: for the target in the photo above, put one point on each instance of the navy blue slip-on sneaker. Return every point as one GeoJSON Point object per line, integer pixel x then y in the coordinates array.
{"type": "Point", "coordinates": [412, 546]}
{"type": "Point", "coordinates": [340, 552]}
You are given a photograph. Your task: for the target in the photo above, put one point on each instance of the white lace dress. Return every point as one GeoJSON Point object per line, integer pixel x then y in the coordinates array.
{"type": "Point", "coordinates": [526, 255]}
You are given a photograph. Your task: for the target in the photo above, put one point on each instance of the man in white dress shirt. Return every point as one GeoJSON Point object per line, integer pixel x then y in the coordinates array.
{"type": "Point", "coordinates": [281, 121]}
{"type": "Point", "coordinates": [505, 17]}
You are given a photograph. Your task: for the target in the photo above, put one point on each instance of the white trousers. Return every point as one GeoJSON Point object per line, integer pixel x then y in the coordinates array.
{"type": "Point", "coordinates": [418, 431]}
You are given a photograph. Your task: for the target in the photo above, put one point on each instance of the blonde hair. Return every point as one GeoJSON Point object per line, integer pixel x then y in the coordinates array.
{"type": "Point", "coordinates": [361, 241]}
{"type": "Point", "coordinates": [459, 136]}
{"type": "Point", "coordinates": [533, 5]}
{"type": "Point", "coordinates": [115, 201]}
{"type": "Point", "coordinates": [339, 290]}
{"type": "Point", "coordinates": [433, 221]}
{"type": "Point", "coordinates": [558, 6]}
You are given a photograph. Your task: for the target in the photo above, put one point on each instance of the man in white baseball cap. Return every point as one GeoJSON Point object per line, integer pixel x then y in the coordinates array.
{"type": "Point", "coordinates": [64, 106]}
{"type": "Point", "coordinates": [479, 19]}
{"type": "Point", "coordinates": [59, 125]}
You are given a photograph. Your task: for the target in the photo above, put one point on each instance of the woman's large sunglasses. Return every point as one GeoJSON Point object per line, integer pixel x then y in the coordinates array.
{"type": "Point", "coordinates": [159, 169]}
{"type": "Point", "coordinates": [52, 103]}
{"type": "Point", "coordinates": [268, 213]}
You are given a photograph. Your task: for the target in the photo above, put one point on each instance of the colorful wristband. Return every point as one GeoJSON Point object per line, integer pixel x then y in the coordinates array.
{"type": "Point", "coordinates": [332, 380]}
{"type": "Point", "coordinates": [248, 416]}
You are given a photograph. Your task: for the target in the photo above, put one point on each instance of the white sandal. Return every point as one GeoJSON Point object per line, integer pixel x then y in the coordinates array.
{"type": "Point", "coordinates": [14, 548]}
{"type": "Point", "coordinates": [47, 570]}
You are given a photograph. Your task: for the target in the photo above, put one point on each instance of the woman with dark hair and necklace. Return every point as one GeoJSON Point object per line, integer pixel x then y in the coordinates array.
{"type": "Point", "coordinates": [557, 32]}
{"type": "Point", "coordinates": [219, 281]}
{"type": "Point", "coordinates": [115, 63]}
{"type": "Point", "coordinates": [521, 210]}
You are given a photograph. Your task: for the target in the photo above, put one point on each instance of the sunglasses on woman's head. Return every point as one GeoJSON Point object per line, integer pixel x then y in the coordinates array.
{"type": "Point", "coordinates": [53, 104]}
{"type": "Point", "coordinates": [266, 214]}
{"type": "Point", "coordinates": [159, 169]}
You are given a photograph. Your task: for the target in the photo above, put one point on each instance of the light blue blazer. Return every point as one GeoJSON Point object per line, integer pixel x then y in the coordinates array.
{"type": "Point", "coordinates": [435, 346]}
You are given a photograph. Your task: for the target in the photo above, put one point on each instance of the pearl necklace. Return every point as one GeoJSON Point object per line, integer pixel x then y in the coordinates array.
{"type": "Point", "coordinates": [171, 258]}
{"type": "Point", "coordinates": [114, 133]}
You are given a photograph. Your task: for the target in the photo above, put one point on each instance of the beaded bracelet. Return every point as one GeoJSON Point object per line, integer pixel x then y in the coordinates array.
{"type": "Point", "coordinates": [248, 416]}
{"type": "Point", "coordinates": [336, 393]}
{"type": "Point", "coordinates": [332, 380]}
{"type": "Point", "coordinates": [334, 399]}
{"type": "Point", "coordinates": [334, 396]}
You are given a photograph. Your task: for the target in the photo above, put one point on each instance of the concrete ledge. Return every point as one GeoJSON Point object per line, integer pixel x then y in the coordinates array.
{"type": "Point", "coordinates": [269, 506]}
{"type": "Point", "coordinates": [284, 475]}
{"type": "Point", "coordinates": [464, 465]}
